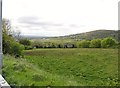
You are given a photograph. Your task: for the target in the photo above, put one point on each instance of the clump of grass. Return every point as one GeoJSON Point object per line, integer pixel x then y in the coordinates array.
{"type": "Point", "coordinates": [19, 67]}
{"type": "Point", "coordinates": [38, 77]}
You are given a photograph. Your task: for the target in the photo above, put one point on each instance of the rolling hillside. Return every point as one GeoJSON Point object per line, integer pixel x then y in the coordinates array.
{"type": "Point", "coordinates": [94, 34]}
{"type": "Point", "coordinates": [81, 36]}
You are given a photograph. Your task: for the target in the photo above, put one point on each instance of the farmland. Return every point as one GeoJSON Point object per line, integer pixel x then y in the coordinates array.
{"type": "Point", "coordinates": [63, 67]}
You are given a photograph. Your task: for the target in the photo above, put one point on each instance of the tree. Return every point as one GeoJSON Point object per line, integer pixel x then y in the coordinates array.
{"type": "Point", "coordinates": [6, 27]}
{"type": "Point", "coordinates": [25, 42]}
{"type": "Point", "coordinates": [53, 45]}
{"type": "Point", "coordinates": [16, 35]}
{"type": "Point", "coordinates": [16, 49]}
{"type": "Point", "coordinates": [84, 44]}
{"type": "Point", "coordinates": [10, 46]}
{"type": "Point", "coordinates": [59, 45]}
{"type": "Point", "coordinates": [108, 42]}
{"type": "Point", "coordinates": [95, 43]}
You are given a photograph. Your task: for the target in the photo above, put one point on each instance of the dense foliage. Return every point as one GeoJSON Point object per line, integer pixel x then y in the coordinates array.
{"type": "Point", "coordinates": [26, 43]}
{"type": "Point", "coordinates": [10, 45]}
{"type": "Point", "coordinates": [84, 44]}
{"type": "Point", "coordinates": [94, 43]}
{"type": "Point", "coordinates": [108, 42]}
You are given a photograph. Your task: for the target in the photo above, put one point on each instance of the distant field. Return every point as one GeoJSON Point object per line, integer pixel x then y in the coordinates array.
{"type": "Point", "coordinates": [54, 40]}
{"type": "Point", "coordinates": [63, 67]}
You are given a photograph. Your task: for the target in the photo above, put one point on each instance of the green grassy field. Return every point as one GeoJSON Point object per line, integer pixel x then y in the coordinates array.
{"type": "Point", "coordinates": [63, 67]}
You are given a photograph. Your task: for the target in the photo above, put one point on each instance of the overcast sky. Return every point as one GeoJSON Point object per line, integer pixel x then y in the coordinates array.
{"type": "Point", "coordinates": [61, 17]}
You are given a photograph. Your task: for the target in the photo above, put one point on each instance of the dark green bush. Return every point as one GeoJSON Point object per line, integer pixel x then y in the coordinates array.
{"type": "Point", "coordinates": [84, 44]}
{"type": "Point", "coordinates": [10, 45]}
{"type": "Point", "coordinates": [28, 47]}
{"type": "Point", "coordinates": [25, 42]}
{"type": "Point", "coordinates": [108, 42]}
{"type": "Point", "coordinates": [17, 48]}
{"type": "Point", "coordinates": [95, 43]}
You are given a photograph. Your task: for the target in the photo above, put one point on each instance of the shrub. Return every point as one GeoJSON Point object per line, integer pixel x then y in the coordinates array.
{"type": "Point", "coordinates": [84, 44]}
{"type": "Point", "coordinates": [16, 49]}
{"type": "Point", "coordinates": [52, 45]}
{"type": "Point", "coordinates": [59, 45]}
{"type": "Point", "coordinates": [108, 42]}
{"type": "Point", "coordinates": [28, 47]}
{"type": "Point", "coordinates": [78, 44]}
{"type": "Point", "coordinates": [25, 42]}
{"type": "Point", "coordinates": [37, 44]}
{"type": "Point", "coordinates": [10, 45]}
{"type": "Point", "coordinates": [95, 43]}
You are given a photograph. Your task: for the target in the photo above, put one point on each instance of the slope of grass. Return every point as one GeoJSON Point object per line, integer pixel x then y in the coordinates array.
{"type": "Point", "coordinates": [95, 34]}
{"type": "Point", "coordinates": [63, 67]}
{"type": "Point", "coordinates": [21, 73]}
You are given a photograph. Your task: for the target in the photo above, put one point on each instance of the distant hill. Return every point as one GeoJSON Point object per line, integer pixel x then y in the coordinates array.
{"type": "Point", "coordinates": [81, 36]}
{"type": "Point", "coordinates": [33, 37]}
{"type": "Point", "coordinates": [94, 35]}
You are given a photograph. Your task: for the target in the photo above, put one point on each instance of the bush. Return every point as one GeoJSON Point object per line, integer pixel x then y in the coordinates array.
{"type": "Point", "coordinates": [37, 44]}
{"type": "Point", "coordinates": [52, 45]}
{"type": "Point", "coordinates": [25, 42]}
{"type": "Point", "coordinates": [78, 44]}
{"type": "Point", "coordinates": [59, 45]}
{"type": "Point", "coordinates": [108, 42]}
{"type": "Point", "coordinates": [10, 45]}
{"type": "Point", "coordinates": [84, 44]}
{"type": "Point", "coordinates": [28, 47]}
{"type": "Point", "coordinates": [16, 49]}
{"type": "Point", "coordinates": [95, 43]}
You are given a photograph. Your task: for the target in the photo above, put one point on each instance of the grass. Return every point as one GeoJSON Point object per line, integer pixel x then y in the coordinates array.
{"type": "Point", "coordinates": [63, 67]}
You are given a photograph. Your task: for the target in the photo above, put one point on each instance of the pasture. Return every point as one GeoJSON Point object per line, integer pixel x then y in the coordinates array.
{"type": "Point", "coordinates": [63, 67]}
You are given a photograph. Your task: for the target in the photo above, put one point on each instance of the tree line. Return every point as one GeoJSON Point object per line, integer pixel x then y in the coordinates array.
{"type": "Point", "coordinates": [95, 43]}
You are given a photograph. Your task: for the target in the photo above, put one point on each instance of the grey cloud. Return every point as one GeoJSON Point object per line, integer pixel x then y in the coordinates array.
{"type": "Point", "coordinates": [30, 18]}
{"type": "Point", "coordinates": [34, 21]}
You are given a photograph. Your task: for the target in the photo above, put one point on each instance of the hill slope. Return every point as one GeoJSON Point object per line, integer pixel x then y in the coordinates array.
{"type": "Point", "coordinates": [94, 34]}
